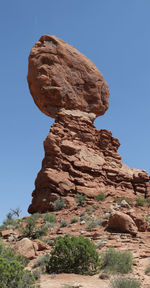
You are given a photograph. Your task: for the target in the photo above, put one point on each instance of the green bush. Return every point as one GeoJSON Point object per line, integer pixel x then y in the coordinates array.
{"type": "Point", "coordinates": [10, 254]}
{"type": "Point", "coordinates": [49, 217]}
{"type": "Point", "coordinates": [80, 199]}
{"type": "Point", "coordinates": [63, 223]}
{"type": "Point", "coordinates": [13, 275]}
{"type": "Point", "coordinates": [59, 204]}
{"type": "Point", "coordinates": [116, 261]}
{"type": "Point", "coordinates": [74, 220]}
{"type": "Point", "coordinates": [31, 230]}
{"type": "Point", "coordinates": [91, 209]}
{"type": "Point", "coordinates": [73, 255]}
{"type": "Point", "coordinates": [10, 222]}
{"type": "Point", "coordinates": [42, 261]}
{"type": "Point", "coordinates": [140, 201]}
{"type": "Point", "coordinates": [100, 197]}
{"type": "Point", "coordinates": [92, 224]}
{"type": "Point", "coordinates": [123, 282]}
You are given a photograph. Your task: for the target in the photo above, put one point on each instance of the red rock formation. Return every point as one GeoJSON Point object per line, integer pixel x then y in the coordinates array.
{"type": "Point", "coordinates": [78, 157]}
{"type": "Point", "coordinates": [82, 159]}
{"type": "Point", "coordinates": [59, 76]}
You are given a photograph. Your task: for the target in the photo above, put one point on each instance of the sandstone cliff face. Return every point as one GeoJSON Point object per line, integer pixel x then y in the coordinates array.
{"type": "Point", "coordinates": [78, 157]}
{"type": "Point", "coordinates": [82, 159]}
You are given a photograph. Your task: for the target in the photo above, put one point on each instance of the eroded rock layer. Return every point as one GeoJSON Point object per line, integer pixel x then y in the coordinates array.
{"type": "Point", "coordinates": [82, 159]}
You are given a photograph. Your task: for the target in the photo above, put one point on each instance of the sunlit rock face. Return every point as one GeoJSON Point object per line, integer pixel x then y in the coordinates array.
{"type": "Point", "coordinates": [79, 159]}
{"type": "Point", "coordinates": [59, 76]}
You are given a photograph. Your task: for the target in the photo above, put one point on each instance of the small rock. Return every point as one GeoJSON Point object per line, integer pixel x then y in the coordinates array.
{"type": "Point", "coordinates": [125, 204]}
{"type": "Point", "coordinates": [82, 222]}
{"type": "Point", "coordinates": [7, 233]}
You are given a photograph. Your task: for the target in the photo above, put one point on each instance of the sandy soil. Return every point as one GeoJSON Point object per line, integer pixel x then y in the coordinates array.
{"type": "Point", "coordinates": [58, 281]}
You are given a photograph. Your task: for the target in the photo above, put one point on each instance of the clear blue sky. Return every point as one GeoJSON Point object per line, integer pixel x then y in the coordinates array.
{"type": "Point", "coordinates": [115, 35]}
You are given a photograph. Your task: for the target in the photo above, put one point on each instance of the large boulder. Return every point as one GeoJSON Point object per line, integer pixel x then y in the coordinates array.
{"type": "Point", "coordinates": [26, 248]}
{"type": "Point", "coordinates": [121, 222]}
{"type": "Point", "coordinates": [59, 76]}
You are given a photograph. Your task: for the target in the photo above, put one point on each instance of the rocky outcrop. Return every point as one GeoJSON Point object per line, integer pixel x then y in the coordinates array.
{"type": "Point", "coordinates": [78, 157]}
{"type": "Point", "coordinates": [59, 76]}
{"type": "Point", "coordinates": [82, 159]}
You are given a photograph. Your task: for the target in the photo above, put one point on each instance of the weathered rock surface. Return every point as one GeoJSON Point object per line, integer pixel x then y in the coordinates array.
{"type": "Point", "coordinates": [59, 76]}
{"type": "Point", "coordinates": [78, 157]}
{"type": "Point", "coordinates": [139, 221]}
{"type": "Point", "coordinates": [26, 248]}
{"type": "Point", "coordinates": [82, 159]}
{"type": "Point", "coordinates": [121, 222]}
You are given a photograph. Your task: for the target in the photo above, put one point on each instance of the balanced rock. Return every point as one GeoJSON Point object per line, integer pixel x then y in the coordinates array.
{"type": "Point", "coordinates": [78, 157]}
{"type": "Point", "coordinates": [59, 76]}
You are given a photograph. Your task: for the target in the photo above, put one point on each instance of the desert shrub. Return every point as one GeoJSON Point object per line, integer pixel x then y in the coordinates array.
{"type": "Point", "coordinates": [116, 261]}
{"type": "Point", "coordinates": [73, 255]}
{"type": "Point", "coordinates": [42, 261]}
{"type": "Point", "coordinates": [84, 218]}
{"type": "Point", "coordinates": [28, 280]}
{"type": "Point", "coordinates": [80, 199]}
{"type": "Point", "coordinates": [30, 227]}
{"type": "Point", "coordinates": [147, 270]}
{"type": "Point", "coordinates": [41, 231]}
{"type": "Point", "coordinates": [100, 197]}
{"type": "Point", "coordinates": [147, 200]}
{"type": "Point", "coordinates": [49, 217]}
{"type": "Point", "coordinates": [50, 242]}
{"type": "Point", "coordinates": [74, 220]}
{"type": "Point", "coordinates": [13, 275]}
{"type": "Point", "coordinates": [140, 201]}
{"type": "Point", "coordinates": [59, 204]}
{"type": "Point", "coordinates": [124, 282]}
{"type": "Point", "coordinates": [31, 230]}
{"type": "Point", "coordinates": [9, 254]}
{"type": "Point", "coordinates": [92, 224]}
{"type": "Point", "coordinates": [36, 274]}
{"type": "Point", "coordinates": [10, 222]}
{"type": "Point", "coordinates": [91, 209]}
{"type": "Point", "coordinates": [49, 225]}
{"type": "Point", "coordinates": [63, 223]}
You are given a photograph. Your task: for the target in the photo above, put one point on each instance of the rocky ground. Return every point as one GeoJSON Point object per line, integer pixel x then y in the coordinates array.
{"type": "Point", "coordinates": [92, 219]}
